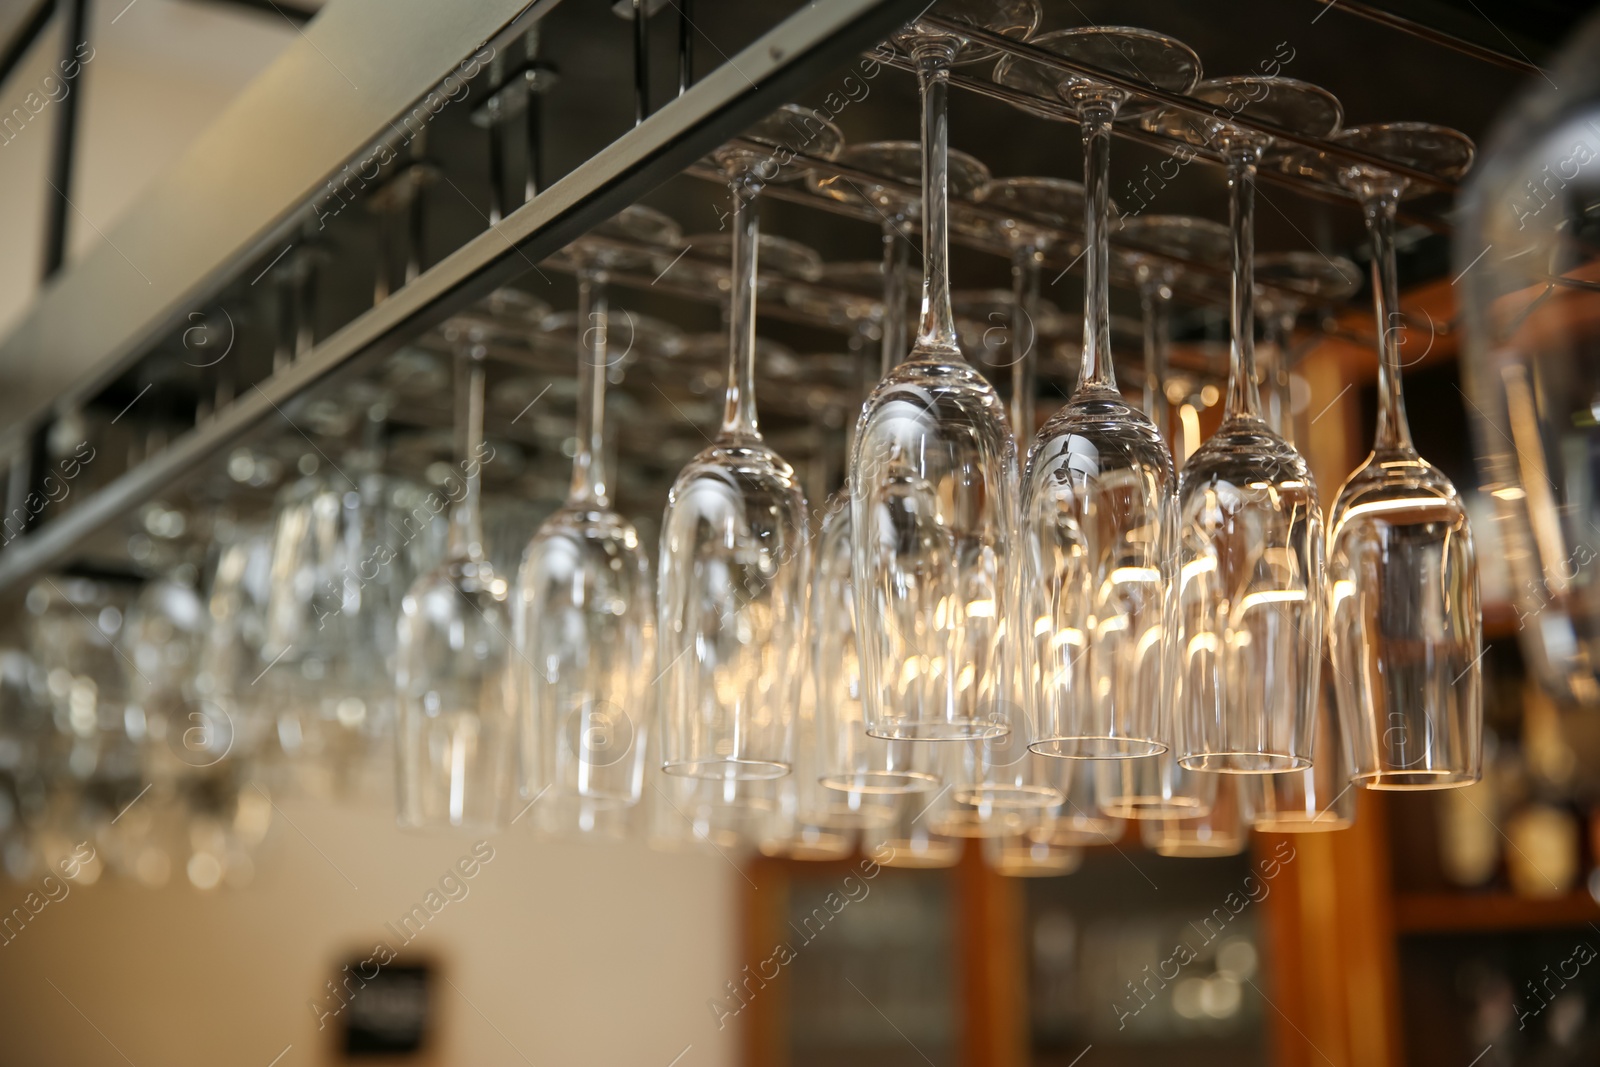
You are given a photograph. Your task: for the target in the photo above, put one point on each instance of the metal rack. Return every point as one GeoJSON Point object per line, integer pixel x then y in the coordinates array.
{"type": "Point", "coordinates": [207, 236]}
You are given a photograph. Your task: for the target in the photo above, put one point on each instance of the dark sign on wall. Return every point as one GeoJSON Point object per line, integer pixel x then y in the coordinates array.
{"type": "Point", "coordinates": [391, 1015]}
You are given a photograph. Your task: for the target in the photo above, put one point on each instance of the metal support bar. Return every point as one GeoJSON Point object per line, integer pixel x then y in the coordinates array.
{"type": "Point", "coordinates": [641, 61]}
{"type": "Point", "coordinates": [63, 148]}
{"type": "Point", "coordinates": [685, 45]}
{"type": "Point", "coordinates": [28, 32]}
{"type": "Point", "coordinates": [1422, 32]}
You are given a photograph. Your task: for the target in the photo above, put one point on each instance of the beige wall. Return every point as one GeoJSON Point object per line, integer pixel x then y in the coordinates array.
{"type": "Point", "coordinates": [160, 73]}
{"type": "Point", "coordinates": [564, 953]}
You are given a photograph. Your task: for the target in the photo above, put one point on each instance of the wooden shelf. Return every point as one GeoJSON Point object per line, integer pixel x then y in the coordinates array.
{"type": "Point", "coordinates": [1418, 913]}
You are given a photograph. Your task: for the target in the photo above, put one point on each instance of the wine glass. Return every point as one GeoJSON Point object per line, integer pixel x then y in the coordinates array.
{"type": "Point", "coordinates": [1293, 279]}
{"type": "Point", "coordinates": [1153, 787]}
{"type": "Point", "coordinates": [1099, 504]}
{"type": "Point", "coordinates": [859, 768]}
{"type": "Point", "coordinates": [811, 821]}
{"type": "Point", "coordinates": [1251, 549]}
{"type": "Point", "coordinates": [1405, 628]}
{"type": "Point", "coordinates": [1320, 798]}
{"type": "Point", "coordinates": [1081, 818]}
{"type": "Point", "coordinates": [584, 610]}
{"type": "Point", "coordinates": [1223, 830]}
{"type": "Point", "coordinates": [1036, 211]}
{"type": "Point", "coordinates": [1029, 855]}
{"type": "Point", "coordinates": [933, 473]}
{"type": "Point", "coordinates": [1524, 257]}
{"type": "Point", "coordinates": [1172, 239]}
{"type": "Point", "coordinates": [911, 839]}
{"type": "Point", "coordinates": [735, 552]}
{"type": "Point", "coordinates": [455, 674]}
{"type": "Point", "coordinates": [897, 201]}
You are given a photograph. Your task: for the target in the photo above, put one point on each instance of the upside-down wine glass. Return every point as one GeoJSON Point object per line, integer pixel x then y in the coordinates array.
{"type": "Point", "coordinates": [859, 768]}
{"type": "Point", "coordinates": [1222, 830]}
{"type": "Point", "coordinates": [455, 737]}
{"type": "Point", "coordinates": [1037, 214]}
{"type": "Point", "coordinates": [1295, 278]}
{"type": "Point", "coordinates": [1160, 245]}
{"type": "Point", "coordinates": [584, 604]}
{"type": "Point", "coordinates": [1030, 855]}
{"type": "Point", "coordinates": [1251, 550]}
{"type": "Point", "coordinates": [1320, 798]}
{"type": "Point", "coordinates": [1405, 628]}
{"type": "Point", "coordinates": [865, 775]}
{"type": "Point", "coordinates": [735, 552]}
{"type": "Point", "coordinates": [1099, 495]}
{"type": "Point", "coordinates": [933, 473]}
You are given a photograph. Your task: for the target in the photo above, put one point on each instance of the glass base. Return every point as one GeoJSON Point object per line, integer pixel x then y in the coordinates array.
{"type": "Point", "coordinates": [1098, 747]}
{"type": "Point", "coordinates": [850, 819]}
{"type": "Point", "coordinates": [811, 847]}
{"type": "Point", "coordinates": [1301, 823]}
{"type": "Point", "coordinates": [727, 770]}
{"type": "Point", "coordinates": [1245, 762]}
{"type": "Point", "coordinates": [915, 856]}
{"type": "Point", "coordinates": [1413, 780]}
{"type": "Point", "coordinates": [941, 730]}
{"type": "Point", "coordinates": [882, 783]}
{"type": "Point", "coordinates": [1155, 807]}
{"type": "Point", "coordinates": [1079, 837]}
{"type": "Point", "coordinates": [1199, 849]}
{"type": "Point", "coordinates": [1009, 797]}
{"type": "Point", "coordinates": [979, 824]}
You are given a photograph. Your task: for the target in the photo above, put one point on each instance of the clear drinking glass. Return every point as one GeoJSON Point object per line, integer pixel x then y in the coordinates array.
{"type": "Point", "coordinates": [1405, 628]}
{"type": "Point", "coordinates": [1161, 244]}
{"type": "Point", "coordinates": [456, 661]}
{"type": "Point", "coordinates": [735, 554]}
{"type": "Point", "coordinates": [1099, 495]}
{"type": "Point", "coordinates": [851, 762]}
{"type": "Point", "coordinates": [1251, 548]}
{"type": "Point", "coordinates": [1153, 787]}
{"type": "Point", "coordinates": [1224, 830]}
{"type": "Point", "coordinates": [933, 475]}
{"type": "Point", "coordinates": [1079, 820]}
{"type": "Point", "coordinates": [1322, 797]}
{"type": "Point", "coordinates": [1524, 259]}
{"type": "Point", "coordinates": [1037, 214]}
{"type": "Point", "coordinates": [1029, 855]}
{"type": "Point", "coordinates": [584, 608]}
{"type": "Point", "coordinates": [1292, 279]}
{"type": "Point", "coordinates": [911, 839]}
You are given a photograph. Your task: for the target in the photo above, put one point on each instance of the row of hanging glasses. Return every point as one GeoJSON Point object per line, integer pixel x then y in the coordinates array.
{"type": "Point", "coordinates": [984, 642]}
{"type": "Point", "coordinates": [967, 639]}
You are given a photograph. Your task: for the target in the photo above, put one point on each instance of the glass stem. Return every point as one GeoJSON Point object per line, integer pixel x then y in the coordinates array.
{"type": "Point", "coordinates": [466, 523]}
{"type": "Point", "coordinates": [1394, 432]}
{"type": "Point", "coordinates": [1024, 360]}
{"type": "Point", "coordinates": [895, 256]}
{"type": "Point", "coordinates": [1282, 401]}
{"type": "Point", "coordinates": [1094, 119]}
{"type": "Point", "coordinates": [1244, 395]}
{"type": "Point", "coordinates": [739, 410]}
{"type": "Point", "coordinates": [496, 163]}
{"type": "Point", "coordinates": [937, 333]}
{"type": "Point", "coordinates": [1156, 303]}
{"type": "Point", "coordinates": [589, 476]}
